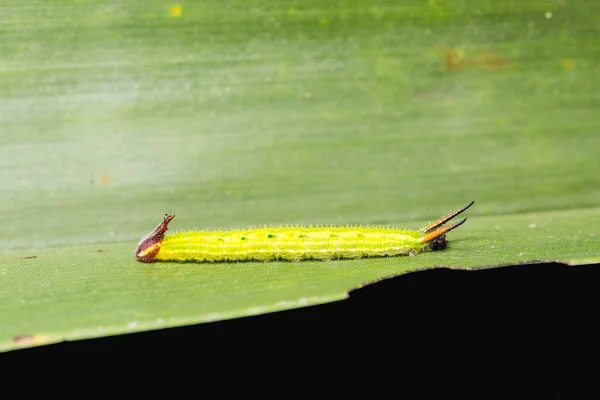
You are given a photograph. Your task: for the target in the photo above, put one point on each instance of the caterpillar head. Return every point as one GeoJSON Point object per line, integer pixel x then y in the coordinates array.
{"type": "Point", "coordinates": [438, 243]}
{"type": "Point", "coordinates": [434, 234]}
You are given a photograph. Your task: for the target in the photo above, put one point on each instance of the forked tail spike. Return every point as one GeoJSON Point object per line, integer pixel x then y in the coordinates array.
{"type": "Point", "coordinates": [439, 232]}
{"type": "Point", "coordinates": [441, 221]}
{"type": "Point", "coordinates": [149, 246]}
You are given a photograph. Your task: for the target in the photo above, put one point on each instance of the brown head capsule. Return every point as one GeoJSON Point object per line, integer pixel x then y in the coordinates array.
{"type": "Point", "coordinates": [149, 246]}
{"type": "Point", "coordinates": [439, 243]}
{"type": "Point", "coordinates": [435, 232]}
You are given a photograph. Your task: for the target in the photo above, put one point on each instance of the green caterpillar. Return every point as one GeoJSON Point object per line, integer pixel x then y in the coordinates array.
{"type": "Point", "coordinates": [293, 243]}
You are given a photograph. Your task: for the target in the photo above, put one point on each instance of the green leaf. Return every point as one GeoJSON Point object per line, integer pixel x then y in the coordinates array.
{"type": "Point", "coordinates": [281, 113]}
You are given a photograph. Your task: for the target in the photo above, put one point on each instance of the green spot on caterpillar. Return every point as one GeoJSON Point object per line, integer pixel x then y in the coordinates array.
{"type": "Point", "coordinates": [294, 243]}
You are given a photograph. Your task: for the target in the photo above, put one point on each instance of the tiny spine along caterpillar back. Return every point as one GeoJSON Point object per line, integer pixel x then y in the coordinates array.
{"type": "Point", "coordinates": [292, 243]}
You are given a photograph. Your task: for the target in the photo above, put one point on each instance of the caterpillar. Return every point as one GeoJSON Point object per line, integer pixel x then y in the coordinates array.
{"type": "Point", "coordinates": [293, 243]}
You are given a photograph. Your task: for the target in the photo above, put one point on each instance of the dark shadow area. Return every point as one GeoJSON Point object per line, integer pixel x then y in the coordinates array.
{"type": "Point", "coordinates": [543, 315]}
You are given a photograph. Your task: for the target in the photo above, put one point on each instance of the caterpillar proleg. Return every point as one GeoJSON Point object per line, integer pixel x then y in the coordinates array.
{"type": "Point", "coordinates": [293, 243]}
